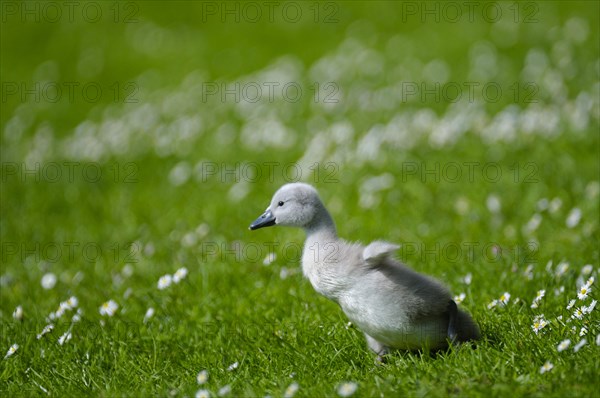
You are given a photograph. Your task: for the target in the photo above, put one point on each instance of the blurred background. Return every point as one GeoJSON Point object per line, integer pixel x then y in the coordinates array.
{"type": "Point", "coordinates": [139, 137]}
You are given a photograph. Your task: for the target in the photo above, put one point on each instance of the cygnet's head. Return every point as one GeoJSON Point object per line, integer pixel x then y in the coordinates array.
{"type": "Point", "coordinates": [295, 205]}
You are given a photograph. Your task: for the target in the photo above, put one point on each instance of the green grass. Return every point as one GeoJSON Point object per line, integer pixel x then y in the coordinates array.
{"type": "Point", "coordinates": [112, 239]}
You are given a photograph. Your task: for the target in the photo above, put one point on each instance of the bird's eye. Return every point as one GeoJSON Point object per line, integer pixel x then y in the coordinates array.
{"type": "Point", "coordinates": [280, 203]}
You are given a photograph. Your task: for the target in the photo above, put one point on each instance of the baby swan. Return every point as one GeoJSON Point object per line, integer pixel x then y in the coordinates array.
{"type": "Point", "coordinates": [394, 306]}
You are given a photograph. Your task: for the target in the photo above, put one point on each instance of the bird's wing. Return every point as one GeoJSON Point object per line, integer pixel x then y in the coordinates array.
{"type": "Point", "coordinates": [377, 251]}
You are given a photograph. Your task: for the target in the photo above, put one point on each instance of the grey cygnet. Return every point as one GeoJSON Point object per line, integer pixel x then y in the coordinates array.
{"type": "Point", "coordinates": [394, 306]}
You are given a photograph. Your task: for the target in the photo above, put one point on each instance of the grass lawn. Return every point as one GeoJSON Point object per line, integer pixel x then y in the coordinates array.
{"type": "Point", "coordinates": [140, 139]}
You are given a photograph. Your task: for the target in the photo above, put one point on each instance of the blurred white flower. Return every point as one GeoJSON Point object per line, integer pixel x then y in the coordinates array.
{"type": "Point", "coordinates": [202, 377]}
{"type": "Point", "coordinates": [18, 313]}
{"type": "Point", "coordinates": [573, 218]}
{"type": "Point", "coordinates": [180, 274]}
{"type": "Point", "coordinates": [347, 388]}
{"type": "Point", "coordinates": [534, 222]}
{"type": "Point", "coordinates": [13, 348]}
{"type": "Point", "coordinates": [493, 203]}
{"type": "Point", "coordinates": [538, 298]}
{"type": "Point", "coordinates": [48, 281]}
{"type": "Point", "coordinates": [149, 314]}
{"type": "Point", "coordinates": [72, 302]}
{"type": "Point", "coordinates": [571, 304]}
{"type": "Point", "coordinates": [583, 331]}
{"type": "Point", "coordinates": [165, 281]}
{"type": "Point", "coordinates": [64, 338]}
{"type": "Point", "coordinates": [563, 345]}
{"type": "Point", "coordinates": [546, 367]}
{"type": "Point", "coordinates": [579, 345]}
{"type": "Point", "coordinates": [587, 269]}
{"type": "Point", "coordinates": [108, 308]}
{"type": "Point", "coordinates": [291, 390]}
{"type": "Point", "coordinates": [47, 329]}
{"type": "Point", "coordinates": [468, 278]}
{"type": "Point", "coordinates": [225, 390]}
{"type": "Point", "coordinates": [202, 394]}
{"type": "Point", "coordinates": [233, 366]}
{"type": "Point", "coordinates": [269, 258]}
{"type": "Point", "coordinates": [555, 205]}
{"type": "Point", "coordinates": [562, 268]}
{"type": "Point", "coordinates": [460, 298]}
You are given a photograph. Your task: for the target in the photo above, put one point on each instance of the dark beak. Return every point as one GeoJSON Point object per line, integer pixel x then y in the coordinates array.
{"type": "Point", "coordinates": [266, 220]}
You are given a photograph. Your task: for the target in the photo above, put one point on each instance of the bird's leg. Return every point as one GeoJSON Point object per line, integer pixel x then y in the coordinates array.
{"type": "Point", "coordinates": [378, 348]}
{"type": "Point", "coordinates": [452, 320]}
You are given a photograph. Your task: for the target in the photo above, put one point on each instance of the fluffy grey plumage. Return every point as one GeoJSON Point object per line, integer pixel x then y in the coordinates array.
{"type": "Point", "coordinates": [396, 307]}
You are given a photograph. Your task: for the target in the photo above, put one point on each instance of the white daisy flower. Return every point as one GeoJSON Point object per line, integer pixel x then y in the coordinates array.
{"type": "Point", "coordinates": [589, 308]}
{"type": "Point", "coordinates": [13, 348]}
{"type": "Point", "coordinates": [48, 281]}
{"type": "Point", "coordinates": [573, 218]}
{"type": "Point", "coordinates": [460, 298]}
{"type": "Point", "coordinates": [109, 308]}
{"type": "Point", "coordinates": [72, 302]}
{"type": "Point", "coordinates": [590, 281]}
{"type": "Point", "coordinates": [538, 324]}
{"type": "Point", "coordinates": [563, 345]}
{"type": "Point", "coordinates": [149, 314]}
{"type": "Point", "coordinates": [225, 390]}
{"type": "Point", "coordinates": [165, 281]}
{"type": "Point", "coordinates": [584, 292]}
{"type": "Point", "coordinates": [202, 394]}
{"type": "Point", "coordinates": [202, 377]}
{"type": "Point", "coordinates": [47, 329]}
{"type": "Point", "coordinates": [347, 388]}
{"type": "Point", "coordinates": [492, 304]}
{"type": "Point", "coordinates": [581, 343]}
{"type": "Point", "coordinates": [60, 311]}
{"type": "Point", "coordinates": [546, 367]}
{"type": "Point", "coordinates": [583, 331]}
{"type": "Point", "coordinates": [64, 338]}
{"type": "Point", "coordinates": [578, 313]}
{"type": "Point", "coordinates": [233, 366]}
{"type": "Point", "coordinates": [180, 274]}
{"type": "Point", "coordinates": [291, 390]}
{"type": "Point", "coordinates": [571, 304]}
{"type": "Point", "coordinates": [505, 298]}
{"type": "Point", "coordinates": [18, 313]}
{"type": "Point", "coordinates": [76, 318]}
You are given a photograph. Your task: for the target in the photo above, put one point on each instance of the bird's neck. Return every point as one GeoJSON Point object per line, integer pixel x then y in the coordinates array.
{"type": "Point", "coordinates": [322, 228]}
